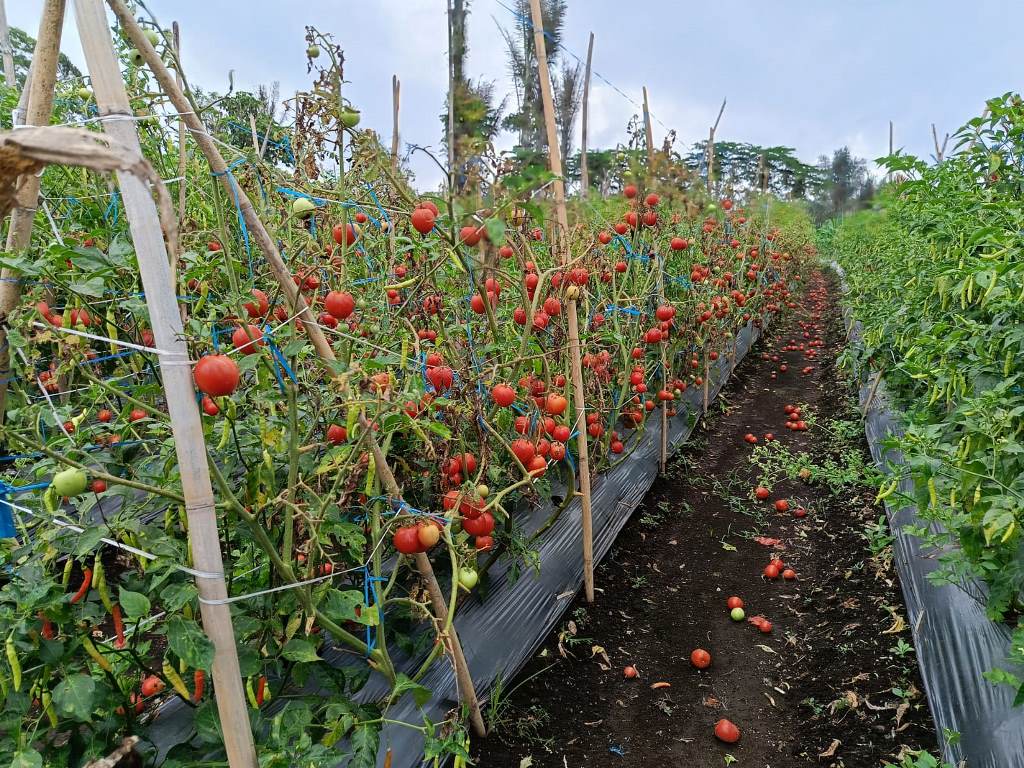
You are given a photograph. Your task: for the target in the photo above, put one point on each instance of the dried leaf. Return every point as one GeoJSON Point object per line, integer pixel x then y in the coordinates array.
{"type": "Point", "coordinates": [831, 750]}
{"type": "Point", "coordinates": [711, 702]}
{"type": "Point", "coordinates": [728, 547]}
{"type": "Point", "coordinates": [770, 699]}
{"type": "Point", "coordinates": [662, 684]}
{"type": "Point", "coordinates": [526, 762]}
{"type": "Point", "coordinates": [898, 625]}
{"type": "Point", "coordinates": [765, 541]}
{"type": "Point", "coordinates": [767, 649]}
{"type": "Point", "coordinates": [597, 650]}
{"type": "Point", "coordinates": [901, 710]}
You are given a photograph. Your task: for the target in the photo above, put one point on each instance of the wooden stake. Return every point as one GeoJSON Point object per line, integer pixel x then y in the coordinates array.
{"type": "Point", "coordinates": [940, 151]}
{"type": "Point", "coordinates": [584, 170]}
{"type": "Point", "coordinates": [257, 230]}
{"type": "Point", "coordinates": [36, 105]}
{"type": "Point", "coordinates": [649, 133]}
{"type": "Point", "coordinates": [711, 153]}
{"type": "Point", "coordinates": [112, 99]}
{"type": "Point", "coordinates": [659, 279]}
{"type": "Point", "coordinates": [560, 242]}
{"type": "Point", "coordinates": [5, 48]}
{"type": "Point", "coordinates": [396, 89]}
{"type": "Point", "coordinates": [452, 155]}
{"type": "Point", "coordinates": [462, 674]}
{"type": "Point", "coordinates": [182, 138]}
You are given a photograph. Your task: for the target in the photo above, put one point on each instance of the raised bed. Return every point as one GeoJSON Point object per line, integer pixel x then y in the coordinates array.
{"type": "Point", "coordinates": [956, 642]}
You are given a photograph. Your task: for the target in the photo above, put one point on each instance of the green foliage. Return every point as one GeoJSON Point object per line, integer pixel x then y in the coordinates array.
{"type": "Point", "coordinates": [936, 276]}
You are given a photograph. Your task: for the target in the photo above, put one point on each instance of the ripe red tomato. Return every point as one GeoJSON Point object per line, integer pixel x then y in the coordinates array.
{"type": "Point", "coordinates": [781, 505]}
{"type": "Point", "coordinates": [630, 672]}
{"type": "Point", "coordinates": [556, 404]}
{"type": "Point", "coordinates": [423, 219]}
{"type": "Point", "coordinates": [216, 375]}
{"type": "Point", "coordinates": [771, 571]}
{"type": "Point", "coordinates": [407, 540]}
{"type": "Point", "coordinates": [350, 233]}
{"type": "Point", "coordinates": [734, 602]}
{"type": "Point", "coordinates": [151, 686]}
{"type": "Point", "coordinates": [503, 395]}
{"type": "Point", "coordinates": [789, 574]}
{"type": "Point", "coordinates": [762, 493]}
{"type": "Point", "coordinates": [629, 191]}
{"type": "Point", "coordinates": [506, 252]}
{"type": "Point", "coordinates": [210, 408]}
{"type": "Point", "coordinates": [336, 434]}
{"type": "Point", "coordinates": [726, 730]}
{"type": "Point", "coordinates": [652, 200]}
{"type": "Point", "coordinates": [104, 415]}
{"type": "Point", "coordinates": [247, 342]}
{"type": "Point", "coordinates": [259, 307]}
{"type": "Point", "coordinates": [482, 525]}
{"type": "Point", "coordinates": [678, 244]}
{"type": "Point", "coordinates": [471, 235]}
{"type": "Point", "coordinates": [484, 543]}
{"type": "Point", "coordinates": [99, 486]}
{"type": "Point", "coordinates": [339, 304]}
{"type": "Point", "coordinates": [700, 658]}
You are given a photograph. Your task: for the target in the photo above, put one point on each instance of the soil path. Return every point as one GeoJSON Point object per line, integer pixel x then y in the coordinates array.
{"type": "Point", "coordinates": [834, 683]}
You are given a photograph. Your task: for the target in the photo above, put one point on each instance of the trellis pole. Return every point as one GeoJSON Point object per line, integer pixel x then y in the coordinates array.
{"type": "Point", "coordinates": [660, 283]}
{"type": "Point", "coordinates": [36, 106]}
{"type": "Point", "coordinates": [396, 92]}
{"type": "Point", "coordinates": [262, 237]}
{"type": "Point", "coordinates": [585, 117]}
{"type": "Point", "coordinates": [5, 48]}
{"type": "Point", "coordinates": [560, 242]}
{"type": "Point", "coordinates": [176, 372]}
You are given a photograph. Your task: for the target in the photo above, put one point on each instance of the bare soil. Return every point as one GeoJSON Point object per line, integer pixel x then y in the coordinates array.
{"type": "Point", "coordinates": [833, 684]}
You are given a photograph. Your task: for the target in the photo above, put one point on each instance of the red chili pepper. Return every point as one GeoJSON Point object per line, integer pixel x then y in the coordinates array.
{"type": "Point", "coordinates": [118, 626]}
{"type": "Point", "coordinates": [86, 582]}
{"type": "Point", "coordinates": [199, 678]}
{"type": "Point", "coordinates": [48, 631]}
{"type": "Point", "coordinates": [260, 689]}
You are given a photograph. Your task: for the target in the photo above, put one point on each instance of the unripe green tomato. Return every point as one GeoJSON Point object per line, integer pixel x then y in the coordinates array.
{"type": "Point", "coordinates": [737, 614]}
{"type": "Point", "coordinates": [468, 577]}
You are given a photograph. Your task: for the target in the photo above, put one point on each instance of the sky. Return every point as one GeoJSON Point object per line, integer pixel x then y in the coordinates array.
{"type": "Point", "coordinates": [814, 75]}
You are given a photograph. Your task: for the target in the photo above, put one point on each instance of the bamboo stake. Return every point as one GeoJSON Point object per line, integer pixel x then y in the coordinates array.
{"type": "Point", "coordinates": [112, 99]}
{"type": "Point", "coordinates": [462, 674]}
{"type": "Point", "coordinates": [396, 89]}
{"type": "Point", "coordinates": [648, 132]}
{"type": "Point", "coordinates": [5, 47]}
{"type": "Point", "coordinates": [711, 153]}
{"type": "Point", "coordinates": [182, 139]}
{"type": "Point", "coordinates": [584, 170]}
{"type": "Point", "coordinates": [257, 230]}
{"type": "Point", "coordinates": [660, 283]}
{"type": "Point", "coordinates": [35, 106]}
{"type": "Point", "coordinates": [561, 246]}
{"type": "Point", "coordinates": [452, 156]}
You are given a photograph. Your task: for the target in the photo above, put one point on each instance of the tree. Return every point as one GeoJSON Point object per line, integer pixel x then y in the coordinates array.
{"type": "Point", "coordinates": [567, 85]}
{"type": "Point", "coordinates": [750, 167]}
{"type": "Point", "coordinates": [24, 46]}
{"type": "Point", "coordinates": [477, 118]}
{"type": "Point", "coordinates": [846, 185]}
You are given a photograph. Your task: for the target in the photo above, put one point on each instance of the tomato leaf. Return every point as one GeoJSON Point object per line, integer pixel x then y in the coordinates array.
{"type": "Point", "coordinates": [420, 694]}
{"type": "Point", "coordinates": [365, 742]}
{"type": "Point", "coordinates": [27, 758]}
